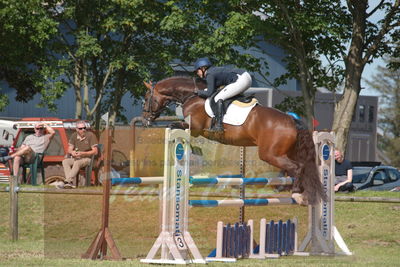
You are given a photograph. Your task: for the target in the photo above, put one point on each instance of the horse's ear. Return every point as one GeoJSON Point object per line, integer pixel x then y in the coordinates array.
{"type": "Point", "coordinates": [148, 85]}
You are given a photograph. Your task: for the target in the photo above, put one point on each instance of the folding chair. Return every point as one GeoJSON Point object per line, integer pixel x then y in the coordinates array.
{"type": "Point", "coordinates": [33, 167]}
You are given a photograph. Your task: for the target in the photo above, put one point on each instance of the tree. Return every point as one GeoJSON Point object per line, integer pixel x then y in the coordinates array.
{"type": "Point", "coordinates": [25, 29]}
{"type": "Point", "coordinates": [341, 33]}
{"type": "Point", "coordinates": [368, 41]}
{"type": "Point", "coordinates": [305, 30]}
{"type": "Point", "coordinates": [215, 29]}
{"type": "Point", "coordinates": [110, 48]}
{"type": "Point", "coordinates": [387, 82]}
{"type": "Point", "coordinates": [104, 49]}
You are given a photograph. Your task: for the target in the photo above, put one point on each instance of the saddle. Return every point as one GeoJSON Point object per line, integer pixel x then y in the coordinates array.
{"type": "Point", "coordinates": [236, 108]}
{"type": "Point", "coordinates": [240, 100]}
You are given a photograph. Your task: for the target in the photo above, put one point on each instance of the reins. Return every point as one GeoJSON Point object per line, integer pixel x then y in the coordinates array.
{"type": "Point", "coordinates": [191, 95]}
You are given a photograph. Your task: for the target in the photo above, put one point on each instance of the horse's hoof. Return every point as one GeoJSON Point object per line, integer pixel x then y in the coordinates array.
{"type": "Point", "coordinates": [300, 199]}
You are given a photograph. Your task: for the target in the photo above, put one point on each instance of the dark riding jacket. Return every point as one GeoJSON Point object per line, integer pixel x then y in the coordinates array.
{"type": "Point", "coordinates": [219, 76]}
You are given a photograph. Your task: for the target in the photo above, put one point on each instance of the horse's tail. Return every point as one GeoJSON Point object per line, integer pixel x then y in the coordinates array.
{"type": "Point", "coordinates": [309, 175]}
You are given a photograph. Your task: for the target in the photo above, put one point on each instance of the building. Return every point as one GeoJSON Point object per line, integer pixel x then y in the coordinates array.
{"type": "Point", "coordinates": [362, 142]}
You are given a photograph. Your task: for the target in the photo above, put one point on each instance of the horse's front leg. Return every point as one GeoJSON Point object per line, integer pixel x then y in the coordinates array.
{"type": "Point", "coordinates": [179, 125]}
{"type": "Point", "coordinates": [184, 125]}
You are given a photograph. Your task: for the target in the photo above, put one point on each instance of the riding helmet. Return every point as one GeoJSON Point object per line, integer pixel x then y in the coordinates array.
{"type": "Point", "coordinates": [202, 62]}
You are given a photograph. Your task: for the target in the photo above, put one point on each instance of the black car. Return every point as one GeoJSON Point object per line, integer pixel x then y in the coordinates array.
{"type": "Point", "coordinates": [377, 178]}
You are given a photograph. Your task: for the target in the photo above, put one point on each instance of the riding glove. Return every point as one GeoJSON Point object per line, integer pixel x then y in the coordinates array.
{"type": "Point", "coordinates": [202, 93]}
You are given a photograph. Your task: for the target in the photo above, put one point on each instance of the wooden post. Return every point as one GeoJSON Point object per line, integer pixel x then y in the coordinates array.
{"type": "Point", "coordinates": [13, 208]}
{"type": "Point", "coordinates": [242, 188]}
{"type": "Point", "coordinates": [98, 248]}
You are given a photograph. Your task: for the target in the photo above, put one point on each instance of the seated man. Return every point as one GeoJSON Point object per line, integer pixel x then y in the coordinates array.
{"type": "Point", "coordinates": [81, 146]}
{"type": "Point", "coordinates": [343, 173]}
{"type": "Point", "coordinates": [34, 143]}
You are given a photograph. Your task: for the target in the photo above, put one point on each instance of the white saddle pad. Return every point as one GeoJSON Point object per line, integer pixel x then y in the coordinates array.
{"type": "Point", "coordinates": [235, 115]}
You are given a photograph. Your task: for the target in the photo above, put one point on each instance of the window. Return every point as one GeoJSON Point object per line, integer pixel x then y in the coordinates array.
{"type": "Point", "coordinates": [393, 175]}
{"type": "Point", "coordinates": [55, 147]}
{"type": "Point", "coordinates": [361, 113]}
{"type": "Point", "coordinates": [23, 134]}
{"type": "Point", "coordinates": [69, 132]}
{"type": "Point", "coordinates": [379, 176]}
{"type": "Point", "coordinates": [354, 116]}
{"type": "Point", "coordinates": [371, 113]}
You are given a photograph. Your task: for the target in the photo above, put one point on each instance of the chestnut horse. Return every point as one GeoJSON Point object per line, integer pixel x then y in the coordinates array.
{"type": "Point", "coordinates": [281, 140]}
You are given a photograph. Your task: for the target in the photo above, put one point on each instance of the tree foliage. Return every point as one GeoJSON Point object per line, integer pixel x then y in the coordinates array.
{"type": "Point", "coordinates": [305, 30]}
{"type": "Point", "coordinates": [104, 49]}
{"type": "Point", "coordinates": [25, 30]}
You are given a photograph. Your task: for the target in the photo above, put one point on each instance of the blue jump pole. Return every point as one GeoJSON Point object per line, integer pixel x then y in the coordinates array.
{"type": "Point", "coordinates": [137, 180]}
{"type": "Point", "coordinates": [242, 181]}
{"type": "Point", "coordinates": [242, 202]}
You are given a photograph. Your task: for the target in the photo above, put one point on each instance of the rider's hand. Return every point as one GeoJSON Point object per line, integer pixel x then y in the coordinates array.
{"type": "Point", "coordinates": [202, 93]}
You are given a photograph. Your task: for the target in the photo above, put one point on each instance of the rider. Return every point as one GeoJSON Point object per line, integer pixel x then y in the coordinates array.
{"type": "Point", "coordinates": [236, 81]}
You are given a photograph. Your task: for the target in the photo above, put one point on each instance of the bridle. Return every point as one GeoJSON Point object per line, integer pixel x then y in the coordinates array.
{"type": "Point", "coordinates": [148, 109]}
{"type": "Point", "coordinates": [154, 114]}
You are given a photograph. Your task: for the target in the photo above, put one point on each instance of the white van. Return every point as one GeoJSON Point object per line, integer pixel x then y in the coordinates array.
{"type": "Point", "coordinates": [7, 132]}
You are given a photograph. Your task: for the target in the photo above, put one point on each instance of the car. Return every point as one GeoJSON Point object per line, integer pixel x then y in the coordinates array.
{"type": "Point", "coordinates": [377, 178]}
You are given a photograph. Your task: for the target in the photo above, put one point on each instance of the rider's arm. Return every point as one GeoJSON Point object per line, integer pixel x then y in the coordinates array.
{"type": "Point", "coordinates": [210, 83]}
{"type": "Point", "coordinates": [210, 87]}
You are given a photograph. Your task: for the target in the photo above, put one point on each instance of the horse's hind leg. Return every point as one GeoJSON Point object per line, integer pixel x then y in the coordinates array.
{"type": "Point", "coordinates": [292, 168]}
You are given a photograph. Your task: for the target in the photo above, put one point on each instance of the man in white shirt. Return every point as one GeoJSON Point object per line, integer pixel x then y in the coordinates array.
{"type": "Point", "coordinates": [34, 143]}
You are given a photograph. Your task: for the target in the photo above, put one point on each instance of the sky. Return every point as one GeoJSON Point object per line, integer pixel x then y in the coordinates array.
{"type": "Point", "coordinates": [370, 70]}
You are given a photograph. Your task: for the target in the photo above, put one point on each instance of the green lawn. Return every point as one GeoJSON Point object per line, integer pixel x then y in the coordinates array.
{"type": "Point", "coordinates": [54, 230]}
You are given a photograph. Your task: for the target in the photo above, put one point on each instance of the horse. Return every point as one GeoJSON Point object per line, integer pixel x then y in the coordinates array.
{"type": "Point", "coordinates": [282, 141]}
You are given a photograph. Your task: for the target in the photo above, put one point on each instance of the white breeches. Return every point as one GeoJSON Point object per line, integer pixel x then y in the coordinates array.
{"type": "Point", "coordinates": [242, 84]}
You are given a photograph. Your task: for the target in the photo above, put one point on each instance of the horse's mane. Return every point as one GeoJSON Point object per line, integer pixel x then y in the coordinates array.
{"type": "Point", "coordinates": [183, 79]}
{"type": "Point", "coordinates": [175, 77]}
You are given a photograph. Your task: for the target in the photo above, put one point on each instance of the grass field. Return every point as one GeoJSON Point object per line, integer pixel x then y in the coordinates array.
{"type": "Point", "coordinates": [54, 230]}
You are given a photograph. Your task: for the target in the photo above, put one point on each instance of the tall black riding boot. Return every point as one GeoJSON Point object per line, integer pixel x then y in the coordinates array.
{"type": "Point", "coordinates": [218, 127]}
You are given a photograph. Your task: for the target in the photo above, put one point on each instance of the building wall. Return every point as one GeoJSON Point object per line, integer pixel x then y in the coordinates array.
{"type": "Point", "coordinates": [65, 107]}
{"type": "Point", "coordinates": [362, 139]}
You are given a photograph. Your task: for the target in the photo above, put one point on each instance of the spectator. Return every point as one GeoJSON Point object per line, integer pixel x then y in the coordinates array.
{"type": "Point", "coordinates": [34, 143]}
{"type": "Point", "coordinates": [81, 146]}
{"type": "Point", "coordinates": [343, 173]}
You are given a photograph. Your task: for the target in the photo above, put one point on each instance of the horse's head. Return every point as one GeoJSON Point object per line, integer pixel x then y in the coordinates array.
{"type": "Point", "coordinates": [154, 103]}
{"type": "Point", "coordinates": [173, 89]}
